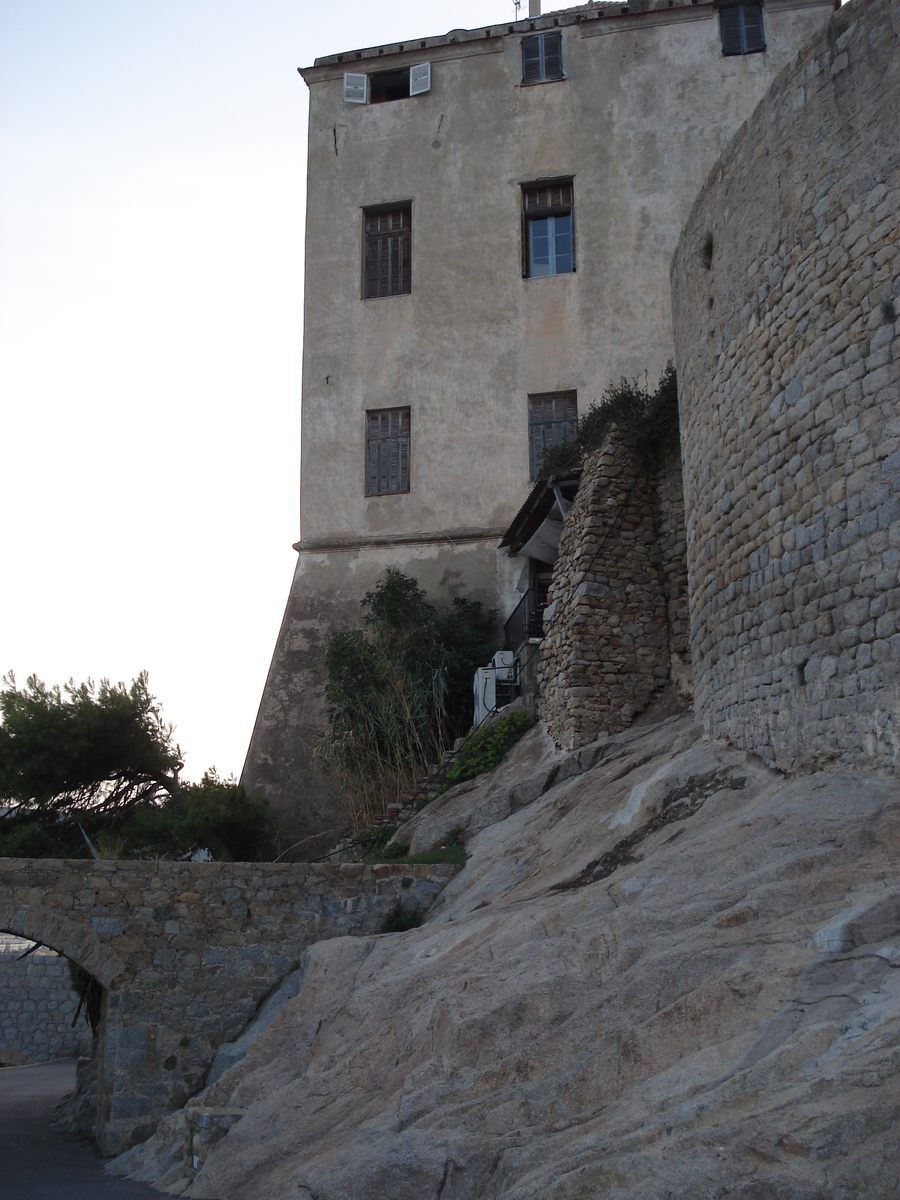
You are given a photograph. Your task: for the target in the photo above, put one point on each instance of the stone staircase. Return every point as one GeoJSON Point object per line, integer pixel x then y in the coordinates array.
{"type": "Point", "coordinates": [403, 809]}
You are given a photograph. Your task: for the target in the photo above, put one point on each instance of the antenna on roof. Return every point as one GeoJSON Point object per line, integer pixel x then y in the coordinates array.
{"type": "Point", "coordinates": [517, 4]}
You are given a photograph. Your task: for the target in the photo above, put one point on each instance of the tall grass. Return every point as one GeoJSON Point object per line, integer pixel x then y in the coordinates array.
{"type": "Point", "coordinates": [393, 691]}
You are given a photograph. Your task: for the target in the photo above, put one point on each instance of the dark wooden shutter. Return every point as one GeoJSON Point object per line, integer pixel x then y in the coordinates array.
{"type": "Point", "coordinates": [531, 59]}
{"type": "Point", "coordinates": [552, 55]}
{"type": "Point", "coordinates": [730, 28]}
{"type": "Point", "coordinates": [754, 38]}
{"type": "Point", "coordinates": [552, 420]}
{"type": "Point", "coordinates": [552, 200]}
{"type": "Point", "coordinates": [388, 266]}
{"type": "Point", "coordinates": [387, 451]}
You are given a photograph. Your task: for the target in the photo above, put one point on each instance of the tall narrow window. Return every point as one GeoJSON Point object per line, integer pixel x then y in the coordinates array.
{"type": "Point", "coordinates": [548, 231]}
{"type": "Point", "coordinates": [741, 27]}
{"type": "Point", "coordinates": [552, 420]}
{"type": "Point", "coordinates": [541, 57]}
{"type": "Point", "coordinates": [387, 452]}
{"type": "Point", "coordinates": [387, 256]}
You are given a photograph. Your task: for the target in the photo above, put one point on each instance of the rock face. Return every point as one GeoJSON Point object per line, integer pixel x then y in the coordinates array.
{"type": "Point", "coordinates": [671, 972]}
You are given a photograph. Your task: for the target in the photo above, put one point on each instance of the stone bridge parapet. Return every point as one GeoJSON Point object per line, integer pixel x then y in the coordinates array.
{"type": "Point", "coordinates": [186, 952]}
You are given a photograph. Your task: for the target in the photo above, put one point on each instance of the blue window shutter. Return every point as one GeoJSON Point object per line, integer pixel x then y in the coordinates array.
{"type": "Point", "coordinates": [531, 59]}
{"type": "Point", "coordinates": [730, 28]}
{"type": "Point", "coordinates": [551, 44]}
{"type": "Point", "coordinates": [754, 38]}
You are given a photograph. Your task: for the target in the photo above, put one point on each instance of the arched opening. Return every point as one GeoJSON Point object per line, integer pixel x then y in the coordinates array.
{"type": "Point", "coordinates": [41, 1013]}
{"type": "Point", "coordinates": [57, 974]}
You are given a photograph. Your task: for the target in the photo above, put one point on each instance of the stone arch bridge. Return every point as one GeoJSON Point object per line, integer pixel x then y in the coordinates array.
{"type": "Point", "coordinates": [186, 952]}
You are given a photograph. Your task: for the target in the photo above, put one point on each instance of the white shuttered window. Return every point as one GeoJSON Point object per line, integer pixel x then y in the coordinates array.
{"type": "Point", "coordinates": [420, 79]}
{"type": "Point", "coordinates": [355, 88]}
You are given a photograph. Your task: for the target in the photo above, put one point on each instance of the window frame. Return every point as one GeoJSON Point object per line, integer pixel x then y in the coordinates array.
{"type": "Point", "coordinates": [727, 36]}
{"type": "Point", "coordinates": [373, 237]}
{"type": "Point", "coordinates": [542, 38]}
{"type": "Point", "coordinates": [566, 396]}
{"type": "Point", "coordinates": [382, 440]}
{"type": "Point", "coordinates": [530, 214]}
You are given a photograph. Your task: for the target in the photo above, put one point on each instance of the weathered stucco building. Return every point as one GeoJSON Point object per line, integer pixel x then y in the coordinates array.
{"type": "Point", "coordinates": [490, 222]}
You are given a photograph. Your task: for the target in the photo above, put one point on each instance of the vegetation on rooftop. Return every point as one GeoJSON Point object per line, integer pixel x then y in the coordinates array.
{"type": "Point", "coordinates": [649, 420]}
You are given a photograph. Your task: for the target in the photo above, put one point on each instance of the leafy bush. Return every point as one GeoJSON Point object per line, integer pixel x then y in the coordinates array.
{"type": "Point", "coordinates": [649, 420]}
{"type": "Point", "coordinates": [399, 689]}
{"type": "Point", "coordinates": [400, 918]}
{"type": "Point", "coordinates": [487, 747]}
{"type": "Point", "coordinates": [216, 814]}
{"type": "Point", "coordinates": [450, 848]}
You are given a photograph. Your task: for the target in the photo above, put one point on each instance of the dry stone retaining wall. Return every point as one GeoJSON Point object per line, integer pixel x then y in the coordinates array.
{"type": "Point", "coordinates": [786, 285]}
{"type": "Point", "coordinates": [37, 1005]}
{"type": "Point", "coordinates": [617, 617]}
{"type": "Point", "coordinates": [187, 951]}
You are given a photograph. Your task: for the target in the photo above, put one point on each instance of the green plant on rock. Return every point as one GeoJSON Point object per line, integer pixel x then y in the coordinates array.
{"type": "Point", "coordinates": [402, 917]}
{"type": "Point", "coordinates": [487, 746]}
{"type": "Point", "coordinates": [649, 420]}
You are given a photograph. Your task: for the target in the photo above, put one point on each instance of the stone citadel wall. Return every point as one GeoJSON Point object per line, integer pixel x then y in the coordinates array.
{"type": "Point", "coordinates": [786, 288]}
{"type": "Point", "coordinates": [616, 628]}
{"type": "Point", "coordinates": [37, 1004]}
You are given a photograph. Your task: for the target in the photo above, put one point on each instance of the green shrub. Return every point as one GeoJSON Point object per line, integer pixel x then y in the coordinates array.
{"type": "Point", "coordinates": [402, 917]}
{"type": "Point", "coordinates": [450, 848]}
{"type": "Point", "coordinates": [649, 420]}
{"type": "Point", "coordinates": [487, 747]}
{"type": "Point", "coordinates": [399, 690]}
{"type": "Point", "coordinates": [373, 841]}
{"type": "Point", "coordinates": [216, 814]}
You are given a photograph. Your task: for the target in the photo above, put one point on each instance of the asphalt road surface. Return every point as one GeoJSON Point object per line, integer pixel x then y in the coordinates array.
{"type": "Point", "coordinates": [37, 1163]}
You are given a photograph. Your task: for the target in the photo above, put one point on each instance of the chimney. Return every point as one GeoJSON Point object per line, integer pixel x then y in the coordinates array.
{"type": "Point", "coordinates": [534, 8]}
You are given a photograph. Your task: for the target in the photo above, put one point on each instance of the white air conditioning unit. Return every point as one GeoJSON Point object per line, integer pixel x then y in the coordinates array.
{"type": "Point", "coordinates": [504, 664]}
{"type": "Point", "coordinates": [502, 671]}
{"type": "Point", "coordinates": [485, 689]}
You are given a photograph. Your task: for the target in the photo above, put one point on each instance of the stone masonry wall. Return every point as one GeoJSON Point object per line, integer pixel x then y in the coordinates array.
{"type": "Point", "coordinates": [37, 1005]}
{"type": "Point", "coordinates": [786, 285]}
{"type": "Point", "coordinates": [606, 647]}
{"type": "Point", "coordinates": [669, 524]}
{"type": "Point", "coordinates": [186, 953]}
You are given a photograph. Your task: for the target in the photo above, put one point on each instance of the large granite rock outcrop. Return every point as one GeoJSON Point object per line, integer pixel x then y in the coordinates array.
{"type": "Point", "coordinates": [671, 972]}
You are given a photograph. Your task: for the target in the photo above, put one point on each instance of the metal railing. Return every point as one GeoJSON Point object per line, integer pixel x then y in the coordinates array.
{"type": "Point", "coordinates": [527, 619]}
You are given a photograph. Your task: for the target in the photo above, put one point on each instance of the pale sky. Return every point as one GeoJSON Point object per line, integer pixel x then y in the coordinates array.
{"type": "Point", "coordinates": [152, 194]}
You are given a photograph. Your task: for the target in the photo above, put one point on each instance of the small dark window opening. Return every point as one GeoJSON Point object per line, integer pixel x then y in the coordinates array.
{"type": "Point", "coordinates": [388, 247]}
{"type": "Point", "coordinates": [548, 229]}
{"type": "Point", "coordinates": [541, 57]}
{"type": "Point", "coordinates": [741, 27]}
{"type": "Point", "coordinates": [389, 85]}
{"type": "Point", "coordinates": [387, 451]}
{"type": "Point", "coordinates": [552, 421]}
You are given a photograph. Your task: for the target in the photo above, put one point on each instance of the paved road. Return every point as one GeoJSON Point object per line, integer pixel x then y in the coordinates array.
{"type": "Point", "coordinates": [37, 1163]}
